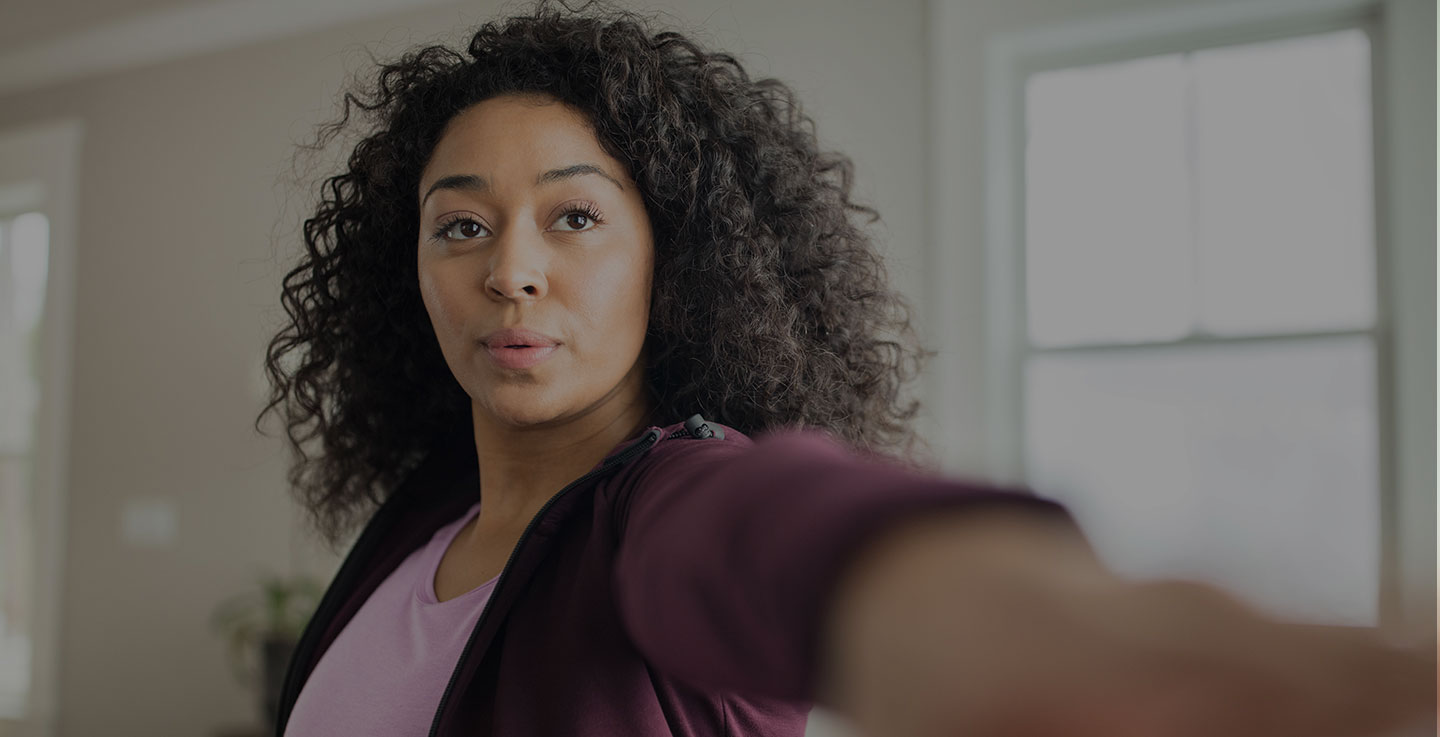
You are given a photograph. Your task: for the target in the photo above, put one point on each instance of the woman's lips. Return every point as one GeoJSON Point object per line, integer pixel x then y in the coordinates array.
{"type": "Point", "coordinates": [519, 357]}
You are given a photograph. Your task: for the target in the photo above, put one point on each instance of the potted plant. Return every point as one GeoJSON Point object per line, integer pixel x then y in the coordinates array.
{"type": "Point", "coordinates": [262, 627]}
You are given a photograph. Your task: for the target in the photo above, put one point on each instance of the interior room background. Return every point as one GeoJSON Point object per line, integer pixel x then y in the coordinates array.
{"type": "Point", "coordinates": [1177, 258]}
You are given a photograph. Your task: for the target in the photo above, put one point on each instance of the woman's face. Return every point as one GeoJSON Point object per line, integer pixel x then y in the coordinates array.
{"type": "Point", "coordinates": [527, 224]}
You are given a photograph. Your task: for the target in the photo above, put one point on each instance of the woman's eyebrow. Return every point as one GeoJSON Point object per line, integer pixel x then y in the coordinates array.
{"type": "Point", "coordinates": [575, 170]}
{"type": "Point", "coordinates": [478, 184]}
{"type": "Point", "coordinates": [463, 182]}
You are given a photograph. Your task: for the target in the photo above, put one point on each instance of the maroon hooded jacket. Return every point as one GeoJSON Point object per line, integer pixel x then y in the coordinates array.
{"type": "Point", "coordinates": [677, 588]}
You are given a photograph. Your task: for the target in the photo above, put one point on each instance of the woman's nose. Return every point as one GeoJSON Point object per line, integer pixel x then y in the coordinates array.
{"type": "Point", "coordinates": [517, 268]}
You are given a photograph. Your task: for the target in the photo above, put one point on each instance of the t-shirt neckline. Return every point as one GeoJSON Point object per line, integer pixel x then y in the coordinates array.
{"type": "Point", "coordinates": [438, 545]}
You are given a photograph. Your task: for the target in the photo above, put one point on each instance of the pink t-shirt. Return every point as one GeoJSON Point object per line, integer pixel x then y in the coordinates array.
{"type": "Point", "coordinates": [386, 670]}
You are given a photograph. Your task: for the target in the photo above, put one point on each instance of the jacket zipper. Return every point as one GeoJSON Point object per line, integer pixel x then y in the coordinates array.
{"type": "Point", "coordinates": [621, 458]}
{"type": "Point", "coordinates": [697, 427]}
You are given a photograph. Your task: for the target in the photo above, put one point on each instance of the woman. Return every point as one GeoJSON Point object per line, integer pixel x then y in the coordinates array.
{"type": "Point", "coordinates": [548, 252]}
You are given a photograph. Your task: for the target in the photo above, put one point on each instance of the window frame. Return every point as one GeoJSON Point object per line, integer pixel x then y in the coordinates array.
{"type": "Point", "coordinates": [40, 171]}
{"type": "Point", "coordinates": [1407, 492]}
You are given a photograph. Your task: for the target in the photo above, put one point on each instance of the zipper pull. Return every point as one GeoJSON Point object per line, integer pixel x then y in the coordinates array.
{"type": "Point", "coordinates": [699, 428]}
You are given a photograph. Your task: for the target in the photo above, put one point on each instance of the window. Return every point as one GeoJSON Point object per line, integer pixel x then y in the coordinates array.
{"type": "Point", "coordinates": [1201, 362]}
{"type": "Point", "coordinates": [39, 170]}
{"type": "Point", "coordinates": [24, 261]}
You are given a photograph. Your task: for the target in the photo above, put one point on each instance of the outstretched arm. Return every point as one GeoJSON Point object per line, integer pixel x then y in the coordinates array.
{"type": "Point", "coordinates": [921, 606]}
{"type": "Point", "coordinates": [991, 625]}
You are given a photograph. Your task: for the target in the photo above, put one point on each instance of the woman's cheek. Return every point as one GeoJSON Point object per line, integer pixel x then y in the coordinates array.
{"type": "Point", "coordinates": [438, 305]}
{"type": "Point", "coordinates": [632, 283]}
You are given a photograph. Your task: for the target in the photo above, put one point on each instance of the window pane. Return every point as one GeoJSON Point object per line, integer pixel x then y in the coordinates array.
{"type": "Point", "coordinates": [24, 264]}
{"type": "Point", "coordinates": [29, 263]}
{"type": "Point", "coordinates": [1252, 465]}
{"type": "Point", "coordinates": [1283, 167]}
{"type": "Point", "coordinates": [1107, 238]}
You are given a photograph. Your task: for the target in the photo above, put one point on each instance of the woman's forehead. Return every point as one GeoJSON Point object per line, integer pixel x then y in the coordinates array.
{"type": "Point", "coordinates": [519, 135]}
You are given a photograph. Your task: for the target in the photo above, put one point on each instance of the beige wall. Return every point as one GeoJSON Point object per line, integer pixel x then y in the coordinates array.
{"type": "Point", "coordinates": [183, 167]}
{"type": "Point", "coordinates": [177, 283]}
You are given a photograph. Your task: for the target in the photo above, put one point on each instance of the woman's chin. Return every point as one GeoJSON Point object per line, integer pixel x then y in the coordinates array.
{"type": "Point", "coordinates": [517, 413]}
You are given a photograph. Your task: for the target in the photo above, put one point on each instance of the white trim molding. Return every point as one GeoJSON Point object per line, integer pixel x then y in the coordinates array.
{"type": "Point", "coordinates": [176, 33]}
{"type": "Point", "coordinates": [45, 158]}
{"type": "Point", "coordinates": [1405, 132]}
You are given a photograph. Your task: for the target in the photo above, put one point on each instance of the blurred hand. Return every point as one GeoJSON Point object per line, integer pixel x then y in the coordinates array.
{"type": "Point", "coordinates": [995, 624]}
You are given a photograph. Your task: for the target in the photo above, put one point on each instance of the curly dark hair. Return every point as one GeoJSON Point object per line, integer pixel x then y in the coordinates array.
{"type": "Point", "coordinates": [771, 307]}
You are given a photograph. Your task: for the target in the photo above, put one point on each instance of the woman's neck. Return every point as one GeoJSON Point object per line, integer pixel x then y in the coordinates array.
{"type": "Point", "coordinates": [521, 468]}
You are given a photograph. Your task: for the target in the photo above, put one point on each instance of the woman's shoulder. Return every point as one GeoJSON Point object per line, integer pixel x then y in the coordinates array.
{"type": "Point", "coordinates": [699, 446]}
{"type": "Point", "coordinates": [685, 444]}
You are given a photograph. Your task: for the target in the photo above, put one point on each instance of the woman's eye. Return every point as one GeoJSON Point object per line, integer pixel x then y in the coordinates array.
{"type": "Point", "coordinates": [576, 220]}
{"type": "Point", "coordinates": [462, 230]}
